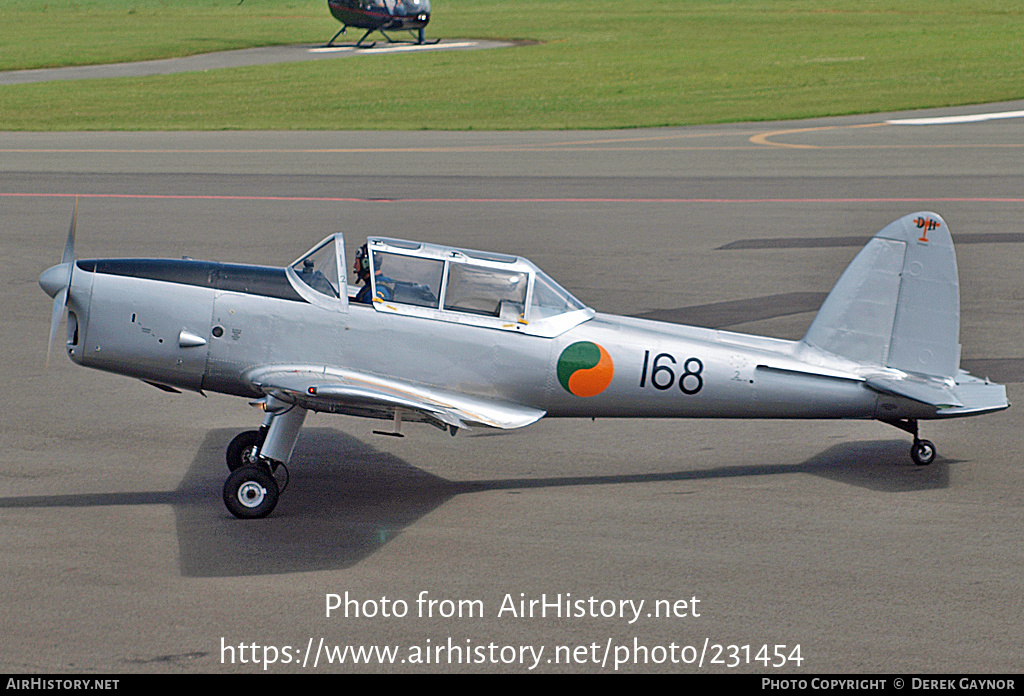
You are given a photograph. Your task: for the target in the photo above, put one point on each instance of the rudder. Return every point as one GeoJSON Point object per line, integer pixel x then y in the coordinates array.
{"type": "Point", "coordinates": [898, 302]}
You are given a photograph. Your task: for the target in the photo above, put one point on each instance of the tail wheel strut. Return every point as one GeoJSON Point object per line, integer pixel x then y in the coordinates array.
{"type": "Point", "coordinates": [922, 452]}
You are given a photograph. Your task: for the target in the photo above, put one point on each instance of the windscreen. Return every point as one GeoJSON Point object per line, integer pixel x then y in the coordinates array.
{"type": "Point", "coordinates": [408, 8]}
{"type": "Point", "coordinates": [319, 269]}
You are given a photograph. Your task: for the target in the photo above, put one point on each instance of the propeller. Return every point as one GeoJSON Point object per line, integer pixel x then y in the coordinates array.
{"type": "Point", "coordinates": [56, 281]}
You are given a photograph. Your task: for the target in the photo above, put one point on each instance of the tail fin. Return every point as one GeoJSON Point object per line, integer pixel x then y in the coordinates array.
{"type": "Point", "coordinates": [898, 302]}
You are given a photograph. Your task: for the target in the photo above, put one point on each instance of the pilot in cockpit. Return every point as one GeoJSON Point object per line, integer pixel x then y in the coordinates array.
{"type": "Point", "coordinates": [362, 270]}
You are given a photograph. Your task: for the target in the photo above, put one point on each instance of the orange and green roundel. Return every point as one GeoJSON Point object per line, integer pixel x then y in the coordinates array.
{"type": "Point", "coordinates": [585, 369]}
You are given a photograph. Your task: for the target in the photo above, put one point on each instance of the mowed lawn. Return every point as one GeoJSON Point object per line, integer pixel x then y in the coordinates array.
{"type": "Point", "coordinates": [593, 64]}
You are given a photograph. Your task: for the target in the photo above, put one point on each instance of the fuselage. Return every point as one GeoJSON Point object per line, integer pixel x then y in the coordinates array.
{"type": "Point", "coordinates": [460, 338]}
{"type": "Point", "coordinates": [381, 14]}
{"type": "Point", "coordinates": [199, 326]}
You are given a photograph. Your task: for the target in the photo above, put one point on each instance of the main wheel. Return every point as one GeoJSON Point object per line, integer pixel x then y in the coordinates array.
{"type": "Point", "coordinates": [250, 492]}
{"type": "Point", "coordinates": [923, 452]}
{"type": "Point", "coordinates": [243, 449]}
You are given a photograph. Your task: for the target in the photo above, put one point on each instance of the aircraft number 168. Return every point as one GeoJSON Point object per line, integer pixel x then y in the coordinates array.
{"type": "Point", "coordinates": [661, 374]}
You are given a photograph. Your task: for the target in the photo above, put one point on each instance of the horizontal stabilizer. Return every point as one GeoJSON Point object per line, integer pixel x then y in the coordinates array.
{"type": "Point", "coordinates": [967, 396]}
{"type": "Point", "coordinates": [926, 391]}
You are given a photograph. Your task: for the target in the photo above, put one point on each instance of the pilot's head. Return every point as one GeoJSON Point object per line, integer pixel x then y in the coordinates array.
{"type": "Point", "coordinates": [362, 265]}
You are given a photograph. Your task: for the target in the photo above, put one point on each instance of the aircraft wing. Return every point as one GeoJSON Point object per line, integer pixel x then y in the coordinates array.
{"type": "Point", "coordinates": [361, 394]}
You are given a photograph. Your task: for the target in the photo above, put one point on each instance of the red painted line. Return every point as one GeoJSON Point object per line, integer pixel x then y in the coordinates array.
{"type": "Point", "coordinates": [343, 199]}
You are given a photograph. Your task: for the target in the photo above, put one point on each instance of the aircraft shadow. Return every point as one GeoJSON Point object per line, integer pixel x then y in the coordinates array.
{"type": "Point", "coordinates": [345, 499]}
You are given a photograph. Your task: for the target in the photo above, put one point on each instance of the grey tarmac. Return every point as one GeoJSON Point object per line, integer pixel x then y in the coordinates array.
{"type": "Point", "coordinates": [263, 55]}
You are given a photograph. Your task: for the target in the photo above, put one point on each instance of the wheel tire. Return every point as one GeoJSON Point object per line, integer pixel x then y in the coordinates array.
{"type": "Point", "coordinates": [923, 452]}
{"type": "Point", "coordinates": [250, 493]}
{"type": "Point", "coordinates": [242, 450]}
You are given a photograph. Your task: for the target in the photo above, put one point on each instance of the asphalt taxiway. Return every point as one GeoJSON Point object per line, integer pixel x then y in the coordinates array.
{"type": "Point", "coordinates": [118, 555]}
{"type": "Point", "coordinates": [262, 55]}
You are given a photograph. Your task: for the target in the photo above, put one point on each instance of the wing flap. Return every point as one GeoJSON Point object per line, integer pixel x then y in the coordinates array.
{"type": "Point", "coordinates": [322, 388]}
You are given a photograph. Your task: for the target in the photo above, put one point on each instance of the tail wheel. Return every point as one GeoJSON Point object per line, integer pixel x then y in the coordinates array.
{"type": "Point", "coordinates": [244, 449]}
{"type": "Point", "coordinates": [250, 493]}
{"type": "Point", "coordinates": [923, 452]}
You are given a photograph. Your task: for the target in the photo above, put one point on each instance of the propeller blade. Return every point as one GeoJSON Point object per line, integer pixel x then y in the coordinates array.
{"type": "Point", "coordinates": [58, 310]}
{"type": "Point", "coordinates": [69, 245]}
{"type": "Point", "coordinates": [61, 298]}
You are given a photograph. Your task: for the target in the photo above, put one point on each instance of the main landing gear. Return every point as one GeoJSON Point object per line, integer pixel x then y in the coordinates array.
{"type": "Point", "coordinates": [255, 456]}
{"type": "Point", "coordinates": [244, 449]}
{"type": "Point", "coordinates": [419, 34]}
{"type": "Point", "coordinates": [922, 451]}
{"type": "Point", "coordinates": [251, 492]}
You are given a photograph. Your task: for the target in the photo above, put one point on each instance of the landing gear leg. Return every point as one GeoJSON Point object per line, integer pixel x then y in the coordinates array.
{"type": "Point", "coordinates": [251, 491]}
{"type": "Point", "coordinates": [331, 42]}
{"type": "Point", "coordinates": [244, 449]}
{"type": "Point", "coordinates": [360, 44]}
{"type": "Point", "coordinates": [922, 451]}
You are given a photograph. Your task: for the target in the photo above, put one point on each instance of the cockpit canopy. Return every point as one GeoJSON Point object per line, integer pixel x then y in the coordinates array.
{"type": "Point", "coordinates": [319, 269]}
{"type": "Point", "coordinates": [497, 291]}
{"type": "Point", "coordinates": [470, 287]}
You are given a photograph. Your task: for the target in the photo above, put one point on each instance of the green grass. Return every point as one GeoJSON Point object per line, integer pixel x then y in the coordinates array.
{"type": "Point", "coordinates": [57, 33]}
{"type": "Point", "coordinates": [597, 64]}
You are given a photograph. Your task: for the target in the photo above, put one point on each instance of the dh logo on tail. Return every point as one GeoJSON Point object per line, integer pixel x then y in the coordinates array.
{"type": "Point", "coordinates": [926, 224]}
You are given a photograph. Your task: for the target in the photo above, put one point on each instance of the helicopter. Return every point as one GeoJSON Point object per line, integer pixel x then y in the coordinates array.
{"type": "Point", "coordinates": [378, 15]}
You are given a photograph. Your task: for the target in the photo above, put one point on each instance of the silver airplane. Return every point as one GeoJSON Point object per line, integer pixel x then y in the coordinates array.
{"type": "Point", "coordinates": [463, 339]}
